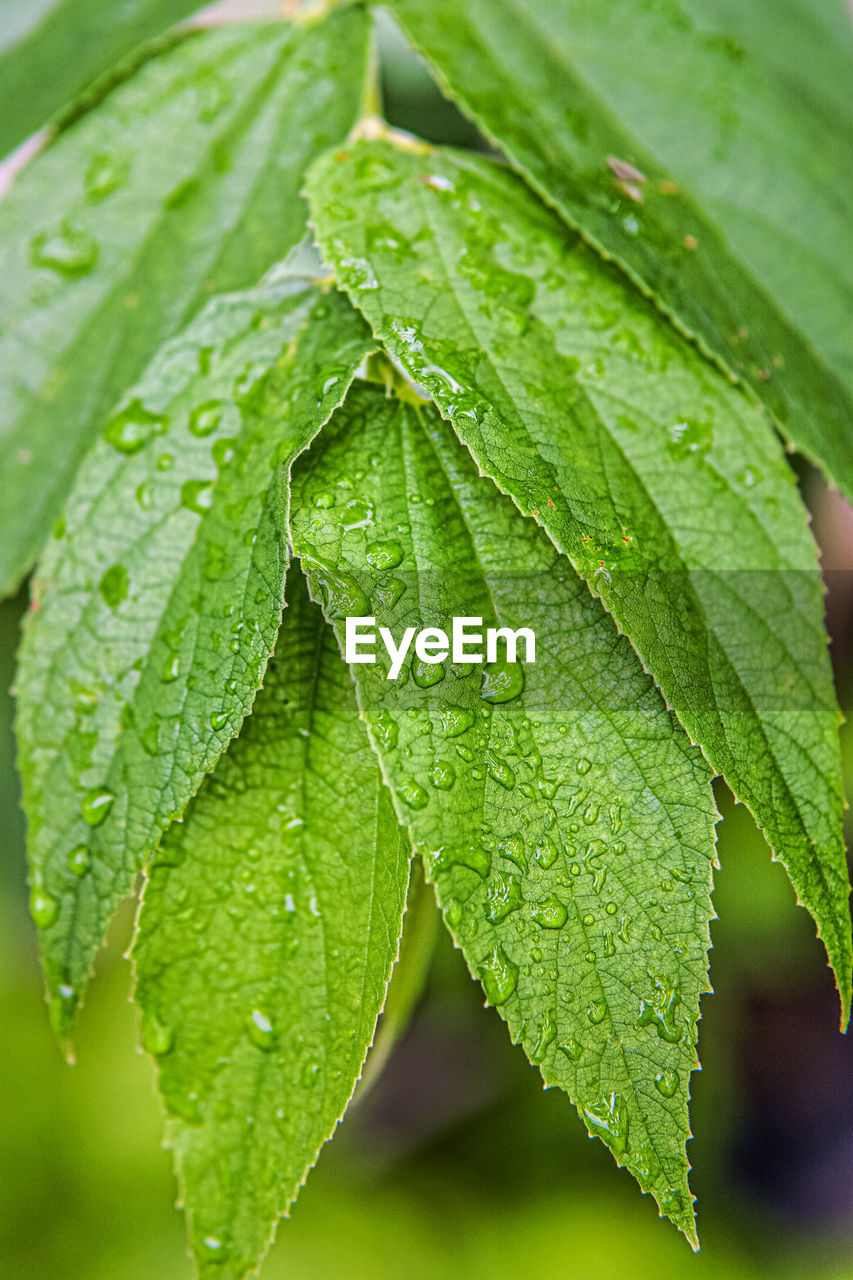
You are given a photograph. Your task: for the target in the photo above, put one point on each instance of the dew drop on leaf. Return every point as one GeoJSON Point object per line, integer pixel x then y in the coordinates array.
{"type": "Point", "coordinates": [78, 861]}
{"type": "Point", "coordinates": [114, 586]}
{"type": "Point", "coordinates": [545, 1037]}
{"type": "Point", "coordinates": [498, 975]}
{"type": "Point", "coordinates": [550, 912]}
{"type": "Point", "coordinates": [260, 1030]}
{"type": "Point", "coordinates": [197, 496]}
{"type": "Point", "coordinates": [596, 1011]}
{"type": "Point", "coordinates": [455, 720]}
{"type": "Point", "coordinates": [412, 794]}
{"type": "Point", "coordinates": [205, 418]}
{"type": "Point", "coordinates": [96, 804]}
{"type": "Point", "coordinates": [106, 173]}
{"type": "Point", "coordinates": [667, 1083]}
{"type": "Point", "coordinates": [427, 674]}
{"type": "Point", "coordinates": [502, 681]}
{"type": "Point", "coordinates": [132, 427]}
{"type": "Point", "coordinates": [68, 250]}
{"type": "Point", "coordinates": [512, 847]}
{"type": "Point", "coordinates": [499, 771]}
{"type": "Point", "coordinates": [607, 1118]}
{"type": "Point", "coordinates": [157, 1038]}
{"type": "Point", "coordinates": [44, 908]}
{"type": "Point", "coordinates": [503, 896]}
{"type": "Point", "coordinates": [545, 852]}
{"type": "Point", "coordinates": [442, 775]}
{"type": "Point", "coordinates": [384, 555]}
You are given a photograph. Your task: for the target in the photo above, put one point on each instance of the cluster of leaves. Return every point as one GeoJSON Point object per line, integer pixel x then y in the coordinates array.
{"type": "Point", "coordinates": [545, 387]}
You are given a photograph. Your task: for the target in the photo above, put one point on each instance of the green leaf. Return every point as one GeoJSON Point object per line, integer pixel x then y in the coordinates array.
{"type": "Point", "coordinates": [157, 606]}
{"type": "Point", "coordinates": [722, 190]}
{"type": "Point", "coordinates": [564, 817]}
{"type": "Point", "coordinates": [183, 183]}
{"type": "Point", "coordinates": [268, 928]}
{"type": "Point", "coordinates": [662, 483]}
{"type": "Point", "coordinates": [57, 49]}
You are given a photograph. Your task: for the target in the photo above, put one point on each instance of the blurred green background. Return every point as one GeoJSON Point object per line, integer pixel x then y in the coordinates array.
{"type": "Point", "coordinates": [457, 1163]}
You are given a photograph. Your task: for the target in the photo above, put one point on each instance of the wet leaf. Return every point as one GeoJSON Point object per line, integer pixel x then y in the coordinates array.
{"type": "Point", "coordinates": [270, 922]}
{"type": "Point", "coordinates": [155, 612]}
{"type": "Point", "coordinates": [184, 182]}
{"type": "Point", "coordinates": [562, 814]}
{"type": "Point", "coordinates": [663, 484]}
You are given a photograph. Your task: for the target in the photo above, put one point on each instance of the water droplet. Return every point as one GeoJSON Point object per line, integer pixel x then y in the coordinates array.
{"type": "Point", "coordinates": [470, 855]}
{"type": "Point", "coordinates": [171, 668]}
{"type": "Point", "coordinates": [597, 1011]}
{"type": "Point", "coordinates": [584, 765]}
{"type": "Point", "coordinates": [132, 427]}
{"type": "Point", "coordinates": [164, 462]}
{"type": "Point", "coordinates": [660, 1010]}
{"type": "Point", "coordinates": [499, 771]}
{"type": "Point", "coordinates": [645, 1162]}
{"type": "Point", "coordinates": [670, 1201]}
{"type": "Point", "coordinates": [145, 495]}
{"type": "Point", "coordinates": [149, 739]}
{"type": "Point", "coordinates": [68, 250]}
{"type": "Point", "coordinates": [357, 514]}
{"type": "Point", "coordinates": [157, 1038]}
{"type": "Point", "coordinates": [466, 754]}
{"type": "Point", "coordinates": [544, 1039]}
{"type": "Point", "coordinates": [572, 1048]}
{"type": "Point", "coordinates": [512, 847]}
{"type": "Point", "coordinates": [219, 720]}
{"type": "Point", "coordinates": [205, 418]}
{"type": "Point", "coordinates": [260, 1031]}
{"type": "Point", "coordinates": [96, 804]}
{"type": "Point", "coordinates": [79, 861]}
{"type": "Point", "coordinates": [689, 438]}
{"type": "Point", "coordinates": [503, 896]}
{"type": "Point", "coordinates": [442, 775]}
{"type": "Point", "coordinates": [114, 586]}
{"type": "Point", "coordinates": [455, 720]}
{"type": "Point", "coordinates": [222, 451]}
{"type": "Point", "coordinates": [545, 852]}
{"type": "Point", "coordinates": [426, 674]}
{"type": "Point", "coordinates": [213, 1250]}
{"type": "Point", "coordinates": [667, 1083]}
{"type": "Point", "coordinates": [453, 912]}
{"type": "Point", "coordinates": [412, 794]}
{"type": "Point", "coordinates": [550, 912]}
{"type": "Point", "coordinates": [43, 908]}
{"type": "Point", "coordinates": [386, 730]}
{"type": "Point", "coordinates": [608, 945]}
{"type": "Point", "coordinates": [498, 975]}
{"type": "Point", "coordinates": [197, 496]}
{"type": "Point", "coordinates": [324, 500]}
{"type": "Point", "coordinates": [107, 172]}
{"type": "Point", "coordinates": [384, 555]}
{"type": "Point", "coordinates": [388, 593]}
{"type": "Point", "coordinates": [342, 596]}
{"type": "Point", "coordinates": [607, 1118]}
{"type": "Point", "coordinates": [502, 681]}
